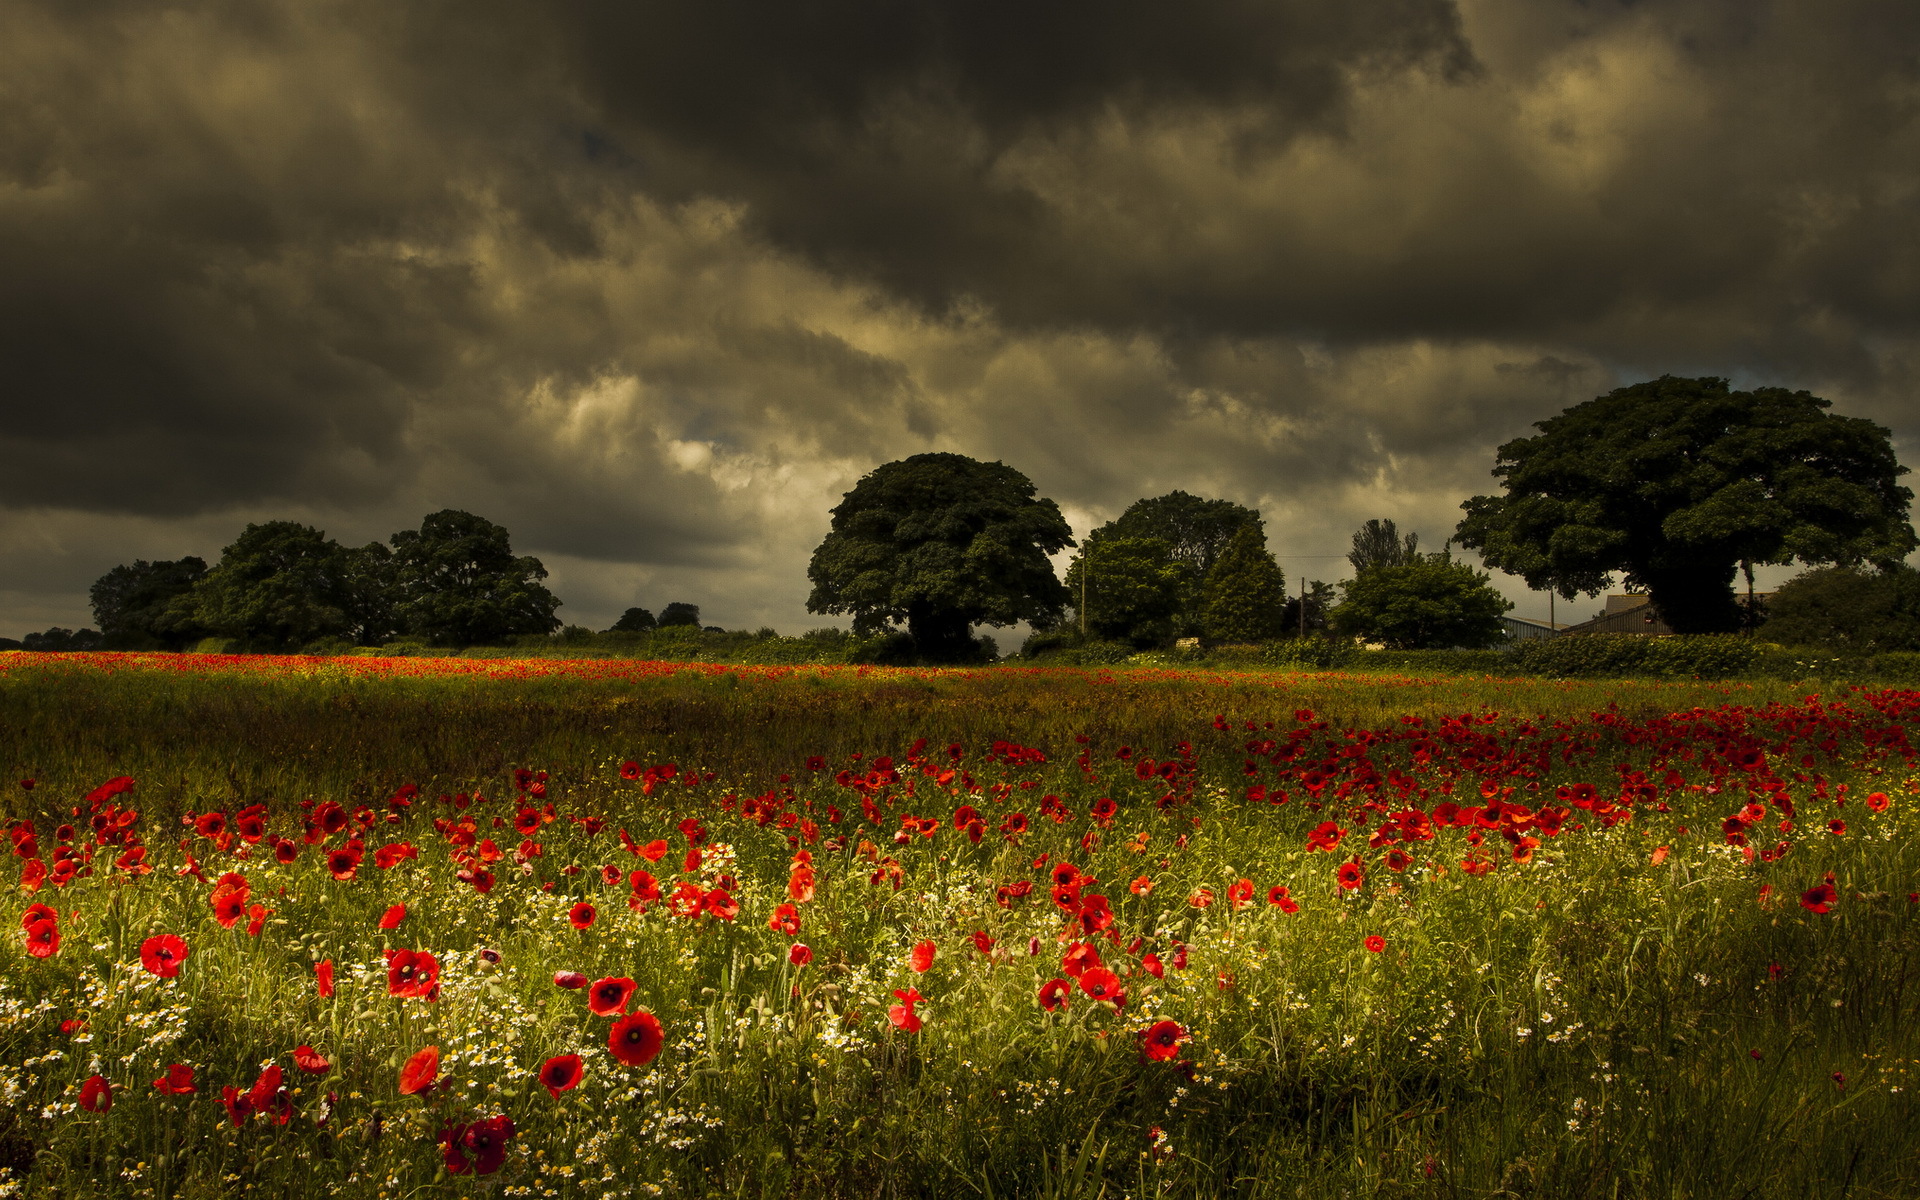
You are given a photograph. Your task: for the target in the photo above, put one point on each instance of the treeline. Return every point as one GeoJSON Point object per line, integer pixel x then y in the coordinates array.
{"type": "Point", "coordinates": [1179, 567]}
{"type": "Point", "coordinates": [284, 586]}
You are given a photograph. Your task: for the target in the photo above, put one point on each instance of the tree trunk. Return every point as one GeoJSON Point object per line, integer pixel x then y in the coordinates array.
{"type": "Point", "coordinates": [1696, 598]}
{"type": "Point", "coordinates": [940, 635]}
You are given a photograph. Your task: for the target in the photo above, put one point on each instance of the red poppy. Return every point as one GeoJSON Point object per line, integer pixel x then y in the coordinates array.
{"type": "Point", "coordinates": [1054, 994]}
{"type": "Point", "coordinates": [267, 1088]}
{"type": "Point", "coordinates": [1240, 893]}
{"type": "Point", "coordinates": [609, 997]}
{"type": "Point", "coordinates": [285, 850]}
{"type": "Point", "coordinates": [636, 1038]}
{"type": "Point", "coordinates": [420, 1071]}
{"type": "Point", "coordinates": [257, 919]}
{"type": "Point", "coordinates": [1397, 860]}
{"type": "Point", "coordinates": [323, 978]}
{"type": "Point", "coordinates": [1375, 943]}
{"type": "Point", "coordinates": [36, 913]}
{"type": "Point", "coordinates": [310, 1060]}
{"type": "Point", "coordinates": [1079, 957]}
{"type": "Point", "coordinates": [480, 1147]}
{"type": "Point", "coordinates": [559, 1074]}
{"type": "Point", "coordinates": [344, 863]}
{"type": "Point", "coordinates": [720, 903]}
{"type": "Point", "coordinates": [209, 825]}
{"type": "Point", "coordinates": [799, 955]}
{"type": "Point", "coordinates": [179, 1081]}
{"type": "Point", "coordinates": [162, 955]}
{"type": "Point", "coordinates": [785, 919]}
{"type": "Point", "coordinates": [413, 973]}
{"type": "Point", "coordinates": [1819, 899]}
{"type": "Point", "coordinates": [982, 942]}
{"type": "Point", "coordinates": [582, 915]}
{"type": "Point", "coordinates": [1350, 875]}
{"type": "Point", "coordinates": [922, 957]}
{"type": "Point", "coordinates": [229, 906]}
{"type": "Point", "coordinates": [390, 856]}
{"type": "Point", "coordinates": [571, 980]}
{"type": "Point", "coordinates": [1100, 983]}
{"type": "Point", "coordinates": [1877, 801]}
{"type": "Point", "coordinates": [43, 939]}
{"type": "Point", "coordinates": [1141, 886]}
{"type": "Point", "coordinates": [655, 850]}
{"type": "Point", "coordinates": [1162, 1040]}
{"type": "Point", "coordinates": [96, 1094]}
{"type": "Point", "coordinates": [1837, 827]}
{"type": "Point", "coordinates": [393, 916]}
{"type": "Point", "coordinates": [1203, 898]}
{"type": "Point", "coordinates": [902, 1015]}
{"type": "Point", "coordinates": [239, 1107]}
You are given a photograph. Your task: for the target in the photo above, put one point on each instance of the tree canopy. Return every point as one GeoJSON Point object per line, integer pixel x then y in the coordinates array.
{"type": "Point", "coordinates": [1133, 587]}
{"type": "Point", "coordinates": [1379, 544]}
{"type": "Point", "coordinates": [679, 612]}
{"type": "Point", "coordinates": [1244, 598]}
{"type": "Point", "coordinates": [941, 542]}
{"type": "Point", "coordinates": [634, 620]}
{"type": "Point", "coordinates": [1845, 608]}
{"type": "Point", "coordinates": [1431, 603]}
{"type": "Point", "coordinates": [457, 582]}
{"type": "Point", "coordinates": [149, 605]}
{"type": "Point", "coordinates": [279, 586]}
{"type": "Point", "coordinates": [1195, 530]}
{"type": "Point", "coordinates": [1676, 482]}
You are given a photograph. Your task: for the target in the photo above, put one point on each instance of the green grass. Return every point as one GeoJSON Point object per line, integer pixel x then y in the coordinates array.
{"type": "Point", "coordinates": [1584, 1024]}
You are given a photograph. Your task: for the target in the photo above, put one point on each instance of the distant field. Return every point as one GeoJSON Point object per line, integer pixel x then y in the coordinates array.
{"type": "Point", "coordinates": [1065, 931]}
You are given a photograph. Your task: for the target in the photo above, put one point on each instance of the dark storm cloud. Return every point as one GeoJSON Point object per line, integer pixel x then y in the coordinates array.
{"type": "Point", "coordinates": [652, 284]}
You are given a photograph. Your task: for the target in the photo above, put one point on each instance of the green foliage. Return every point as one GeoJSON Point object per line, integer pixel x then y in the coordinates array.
{"type": "Point", "coordinates": [149, 605]}
{"type": "Point", "coordinates": [1195, 530]}
{"type": "Point", "coordinates": [279, 586]}
{"type": "Point", "coordinates": [679, 613]}
{"type": "Point", "coordinates": [634, 620]}
{"type": "Point", "coordinates": [1677, 481]}
{"type": "Point", "coordinates": [1848, 610]}
{"type": "Point", "coordinates": [1133, 586]}
{"type": "Point", "coordinates": [372, 594]}
{"type": "Point", "coordinates": [1379, 544]}
{"type": "Point", "coordinates": [1244, 598]}
{"type": "Point", "coordinates": [1313, 651]}
{"type": "Point", "coordinates": [940, 542]}
{"type": "Point", "coordinates": [458, 583]}
{"type": "Point", "coordinates": [1626, 655]}
{"type": "Point", "coordinates": [1427, 604]}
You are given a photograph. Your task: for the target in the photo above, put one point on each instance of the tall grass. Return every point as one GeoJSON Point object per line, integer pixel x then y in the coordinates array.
{"type": "Point", "coordinates": [1590, 1023]}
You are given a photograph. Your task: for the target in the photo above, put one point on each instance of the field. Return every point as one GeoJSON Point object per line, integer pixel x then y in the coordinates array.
{"type": "Point", "coordinates": [290, 926]}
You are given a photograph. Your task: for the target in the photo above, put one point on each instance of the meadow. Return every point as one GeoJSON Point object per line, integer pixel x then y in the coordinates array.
{"type": "Point", "coordinates": [472, 927]}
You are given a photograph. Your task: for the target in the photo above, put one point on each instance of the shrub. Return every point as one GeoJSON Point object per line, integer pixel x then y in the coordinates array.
{"type": "Point", "coordinates": [1704, 656]}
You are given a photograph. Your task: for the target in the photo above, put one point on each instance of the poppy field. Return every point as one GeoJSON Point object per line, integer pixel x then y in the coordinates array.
{"type": "Point", "coordinates": [440, 927]}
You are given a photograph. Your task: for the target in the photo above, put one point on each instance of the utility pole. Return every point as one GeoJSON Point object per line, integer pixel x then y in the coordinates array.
{"type": "Point", "coordinates": [1303, 604]}
{"type": "Point", "coordinates": [1084, 568]}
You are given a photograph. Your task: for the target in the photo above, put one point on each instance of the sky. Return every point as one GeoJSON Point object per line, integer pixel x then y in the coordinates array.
{"type": "Point", "coordinates": [654, 284]}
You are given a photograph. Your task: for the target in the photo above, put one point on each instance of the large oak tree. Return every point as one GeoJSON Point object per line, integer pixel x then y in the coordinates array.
{"type": "Point", "coordinates": [1677, 482]}
{"type": "Point", "coordinates": [940, 542]}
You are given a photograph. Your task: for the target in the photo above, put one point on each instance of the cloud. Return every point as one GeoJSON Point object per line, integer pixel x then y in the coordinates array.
{"type": "Point", "coordinates": [654, 284]}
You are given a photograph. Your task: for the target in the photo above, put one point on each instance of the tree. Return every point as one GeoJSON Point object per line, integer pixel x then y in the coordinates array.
{"type": "Point", "coordinates": [1845, 608]}
{"type": "Point", "coordinates": [680, 613]}
{"type": "Point", "coordinates": [634, 620]}
{"type": "Point", "coordinates": [1677, 482]}
{"type": "Point", "coordinates": [940, 542]}
{"type": "Point", "coordinates": [59, 640]}
{"type": "Point", "coordinates": [1320, 600]}
{"type": "Point", "coordinates": [149, 605]}
{"type": "Point", "coordinates": [1379, 544]}
{"type": "Point", "coordinates": [1245, 596]}
{"type": "Point", "coordinates": [1428, 604]}
{"type": "Point", "coordinates": [458, 583]}
{"type": "Point", "coordinates": [277, 587]}
{"type": "Point", "coordinates": [1195, 530]}
{"type": "Point", "coordinates": [1133, 587]}
{"type": "Point", "coordinates": [372, 593]}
